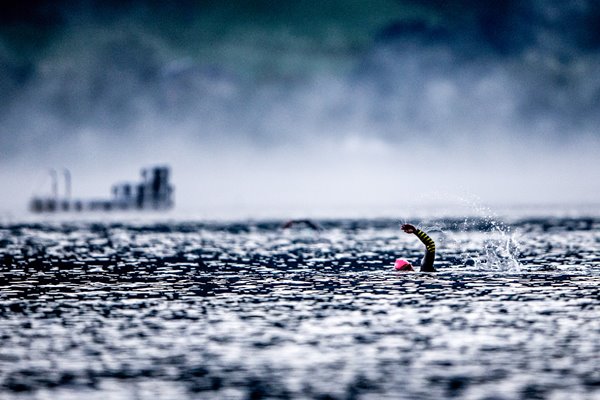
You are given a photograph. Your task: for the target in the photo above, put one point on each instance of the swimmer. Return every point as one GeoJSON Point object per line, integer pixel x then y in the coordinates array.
{"type": "Point", "coordinates": [427, 263]}
{"type": "Point", "coordinates": [307, 222]}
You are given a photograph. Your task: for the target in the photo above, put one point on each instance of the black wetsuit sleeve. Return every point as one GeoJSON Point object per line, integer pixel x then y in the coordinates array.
{"type": "Point", "coordinates": [427, 265]}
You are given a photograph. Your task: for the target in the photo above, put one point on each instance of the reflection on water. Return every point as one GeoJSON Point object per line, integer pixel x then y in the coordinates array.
{"type": "Point", "coordinates": [248, 311]}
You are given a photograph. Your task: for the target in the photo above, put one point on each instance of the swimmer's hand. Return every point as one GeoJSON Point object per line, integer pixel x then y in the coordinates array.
{"type": "Point", "coordinates": [408, 228]}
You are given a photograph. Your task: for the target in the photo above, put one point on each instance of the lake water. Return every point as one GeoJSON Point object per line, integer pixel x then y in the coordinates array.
{"type": "Point", "coordinates": [246, 310]}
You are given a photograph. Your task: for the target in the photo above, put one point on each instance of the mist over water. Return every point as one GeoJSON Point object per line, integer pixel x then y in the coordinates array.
{"type": "Point", "coordinates": [301, 107]}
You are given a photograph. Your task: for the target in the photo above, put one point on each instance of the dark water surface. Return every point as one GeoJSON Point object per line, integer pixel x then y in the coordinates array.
{"type": "Point", "coordinates": [248, 311]}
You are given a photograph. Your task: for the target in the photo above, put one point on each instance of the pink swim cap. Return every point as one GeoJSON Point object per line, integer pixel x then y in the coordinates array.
{"type": "Point", "coordinates": [403, 265]}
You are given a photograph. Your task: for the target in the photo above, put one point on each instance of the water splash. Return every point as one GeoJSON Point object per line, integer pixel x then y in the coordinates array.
{"type": "Point", "coordinates": [499, 244]}
{"type": "Point", "coordinates": [495, 247]}
{"type": "Point", "coordinates": [499, 253]}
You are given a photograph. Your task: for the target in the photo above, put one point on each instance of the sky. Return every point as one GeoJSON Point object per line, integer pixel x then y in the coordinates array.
{"type": "Point", "coordinates": [304, 107]}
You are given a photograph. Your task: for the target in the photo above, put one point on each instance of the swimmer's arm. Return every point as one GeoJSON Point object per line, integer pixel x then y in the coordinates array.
{"type": "Point", "coordinates": [427, 241]}
{"type": "Point", "coordinates": [427, 264]}
{"type": "Point", "coordinates": [423, 237]}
